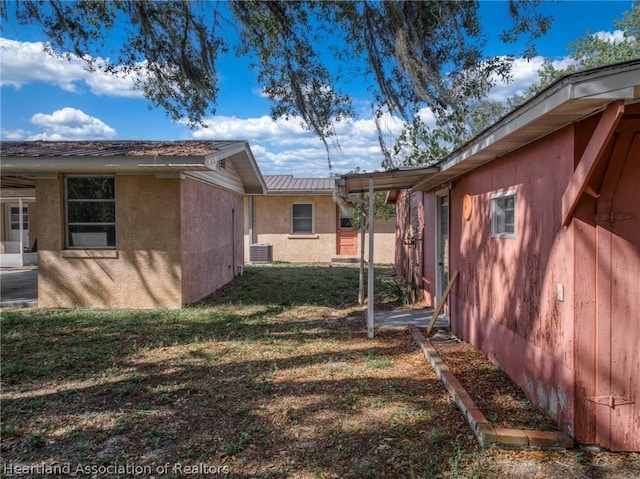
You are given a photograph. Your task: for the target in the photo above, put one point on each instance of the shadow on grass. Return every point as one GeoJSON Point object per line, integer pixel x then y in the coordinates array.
{"type": "Point", "coordinates": [272, 376]}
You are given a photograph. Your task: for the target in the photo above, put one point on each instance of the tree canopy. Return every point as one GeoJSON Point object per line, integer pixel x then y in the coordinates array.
{"type": "Point", "coordinates": [408, 54]}
{"type": "Point", "coordinates": [420, 144]}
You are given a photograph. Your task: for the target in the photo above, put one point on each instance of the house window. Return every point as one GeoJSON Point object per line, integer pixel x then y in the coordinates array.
{"type": "Point", "coordinates": [91, 212]}
{"type": "Point", "coordinates": [503, 215]}
{"type": "Point", "coordinates": [15, 218]}
{"type": "Point", "coordinates": [302, 218]}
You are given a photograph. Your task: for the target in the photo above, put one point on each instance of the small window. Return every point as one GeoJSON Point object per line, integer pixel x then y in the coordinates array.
{"type": "Point", "coordinates": [503, 215]}
{"type": "Point", "coordinates": [15, 218]}
{"type": "Point", "coordinates": [346, 217]}
{"type": "Point", "coordinates": [91, 212]}
{"type": "Point", "coordinates": [302, 218]}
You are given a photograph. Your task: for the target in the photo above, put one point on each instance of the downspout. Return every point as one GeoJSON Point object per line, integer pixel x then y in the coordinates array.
{"type": "Point", "coordinates": [233, 241]}
{"type": "Point", "coordinates": [250, 220]}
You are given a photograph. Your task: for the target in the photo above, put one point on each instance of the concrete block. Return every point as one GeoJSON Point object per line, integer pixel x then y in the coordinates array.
{"type": "Point", "coordinates": [565, 440]}
{"type": "Point", "coordinates": [511, 437]}
{"type": "Point", "coordinates": [543, 439]}
{"type": "Point", "coordinates": [486, 434]}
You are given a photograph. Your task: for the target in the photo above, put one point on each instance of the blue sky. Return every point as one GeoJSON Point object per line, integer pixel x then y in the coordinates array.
{"type": "Point", "coordinates": [51, 99]}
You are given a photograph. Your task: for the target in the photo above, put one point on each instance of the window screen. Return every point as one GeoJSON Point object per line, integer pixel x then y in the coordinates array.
{"type": "Point", "coordinates": [503, 215]}
{"type": "Point", "coordinates": [302, 218]}
{"type": "Point", "coordinates": [91, 212]}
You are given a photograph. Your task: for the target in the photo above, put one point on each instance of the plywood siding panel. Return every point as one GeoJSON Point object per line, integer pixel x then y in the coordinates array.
{"type": "Point", "coordinates": [507, 289]}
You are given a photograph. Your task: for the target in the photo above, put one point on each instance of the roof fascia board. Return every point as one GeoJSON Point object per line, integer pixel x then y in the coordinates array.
{"type": "Point", "coordinates": [213, 179]}
{"type": "Point", "coordinates": [233, 148]}
{"type": "Point", "coordinates": [601, 85]}
{"type": "Point", "coordinates": [256, 169]}
{"type": "Point", "coordinates": [298, 192]}
{"type": "Point", "coordinates": [43, 164]}
{"type": "Point", "coordinates": [386, 180]}
{"type": "Point", "coordinates": [240, 151]}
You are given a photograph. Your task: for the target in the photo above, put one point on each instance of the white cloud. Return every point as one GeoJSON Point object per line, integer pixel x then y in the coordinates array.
{"type": "Point", "coordinates": [524, 74]}
{"type": "Point", "coordinates": [285, 147]}
{"type": "Point", "coordinates": [70, 124]}
{"type": "Point", "coordinates": [14, 135]}
{"type": "Point", "coordinates": [616, 36]}
{"type": "Point", "coordinates": [23, 63]}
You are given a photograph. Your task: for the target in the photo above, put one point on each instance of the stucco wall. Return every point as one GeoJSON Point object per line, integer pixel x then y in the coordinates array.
{"type": "Point", "coordinates": [505, 300]}
{"type": "Point", "coordinates": [144, 269]}
{"type": "Point", "coordinates": [272, 225]}
{"type": "Point", "coordinates": [212, 225]}
{"type": "Point", "coordinates": [384, 242]}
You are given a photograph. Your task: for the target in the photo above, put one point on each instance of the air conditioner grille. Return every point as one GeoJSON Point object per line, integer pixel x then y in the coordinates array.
{"type": "Point", "coordinates": [261, 253]}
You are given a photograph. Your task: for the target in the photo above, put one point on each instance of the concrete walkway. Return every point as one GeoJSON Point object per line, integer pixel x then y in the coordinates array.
{"type": "Point", "coordinates": [400, 318]}
{"type": "Point", "coordinates": [18, 288]}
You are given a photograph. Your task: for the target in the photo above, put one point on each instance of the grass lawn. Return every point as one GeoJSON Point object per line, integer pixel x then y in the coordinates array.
{"type": "Point", "coordinates": [272, 377]}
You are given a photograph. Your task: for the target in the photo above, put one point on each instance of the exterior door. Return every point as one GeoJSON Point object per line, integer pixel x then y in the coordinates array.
{"type": "Point", "coordinates": [442, 242]}
{"type": "Point", "coordinates": [13, 227]}
{"type": "Point", "coordinates": [617, 332]}
{"type": "Point", "coordinates": [346, 233]}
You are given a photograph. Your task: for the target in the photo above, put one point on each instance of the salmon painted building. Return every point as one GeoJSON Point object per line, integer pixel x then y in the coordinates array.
{"type": "Point", "coordinates": [540, 216]}
{"type": "Point", "coordinates": [129, 224]}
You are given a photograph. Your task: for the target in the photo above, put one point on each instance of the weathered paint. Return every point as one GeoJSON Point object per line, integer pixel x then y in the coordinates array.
{"type": "Point", "coordinates": [410, 231]}
{"type": "Point", "coordinates": [608, 242]}
{"type": "Point", "coordinates": [272, 225]}
{"type": "Point", "coordinates": [506, 291]}
{"type": "Point", "coordinates": [569, 352]}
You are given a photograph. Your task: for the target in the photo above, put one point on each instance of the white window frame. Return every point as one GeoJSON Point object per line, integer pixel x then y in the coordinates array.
{"type": "Point", "coordinates": [498, 225]}
{"type": "Point", "coordinates": [313, 218]}
{"type": "Point", "coordinates": [91, 240]}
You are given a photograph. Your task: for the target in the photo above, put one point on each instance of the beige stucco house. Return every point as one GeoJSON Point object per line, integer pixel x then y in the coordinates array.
{"type": "Point", "coordinates": [130, 224]}
{"type": "Point", "coordinates": [297, 220]}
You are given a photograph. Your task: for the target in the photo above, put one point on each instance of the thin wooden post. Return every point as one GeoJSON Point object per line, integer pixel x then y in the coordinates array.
{"type": "Point", "coordinates": [371, 315]}
{"type": "Point", "coordinates": [437, 311]}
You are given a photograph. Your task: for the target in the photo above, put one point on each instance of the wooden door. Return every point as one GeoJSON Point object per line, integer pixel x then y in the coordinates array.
{"type": "Point", "coordinates": [346, 233]}
{"type": "Point", "coordinates": [616, 401]}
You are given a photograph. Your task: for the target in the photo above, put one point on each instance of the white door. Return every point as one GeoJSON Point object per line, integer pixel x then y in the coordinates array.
{"type": "Point", "coordinates": [442, 241]}
{"type": "Point", "coordinates": [13, 227]}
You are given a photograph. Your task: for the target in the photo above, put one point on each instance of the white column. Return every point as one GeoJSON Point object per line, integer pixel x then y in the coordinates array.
{"type": "Point", "coordinates": [362, 243]}
{"type": "Point", "coordinates": [21, 234]}
{"type": "Point", "coordinates": [370, 292]}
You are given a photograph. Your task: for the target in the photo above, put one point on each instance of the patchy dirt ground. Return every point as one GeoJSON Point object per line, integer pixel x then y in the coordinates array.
{"type": "Point", "coordinates": [274, 377]}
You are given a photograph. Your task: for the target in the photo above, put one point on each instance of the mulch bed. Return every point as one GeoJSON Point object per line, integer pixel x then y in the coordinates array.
{"type": "Point", "coordinates": [502, 402]}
